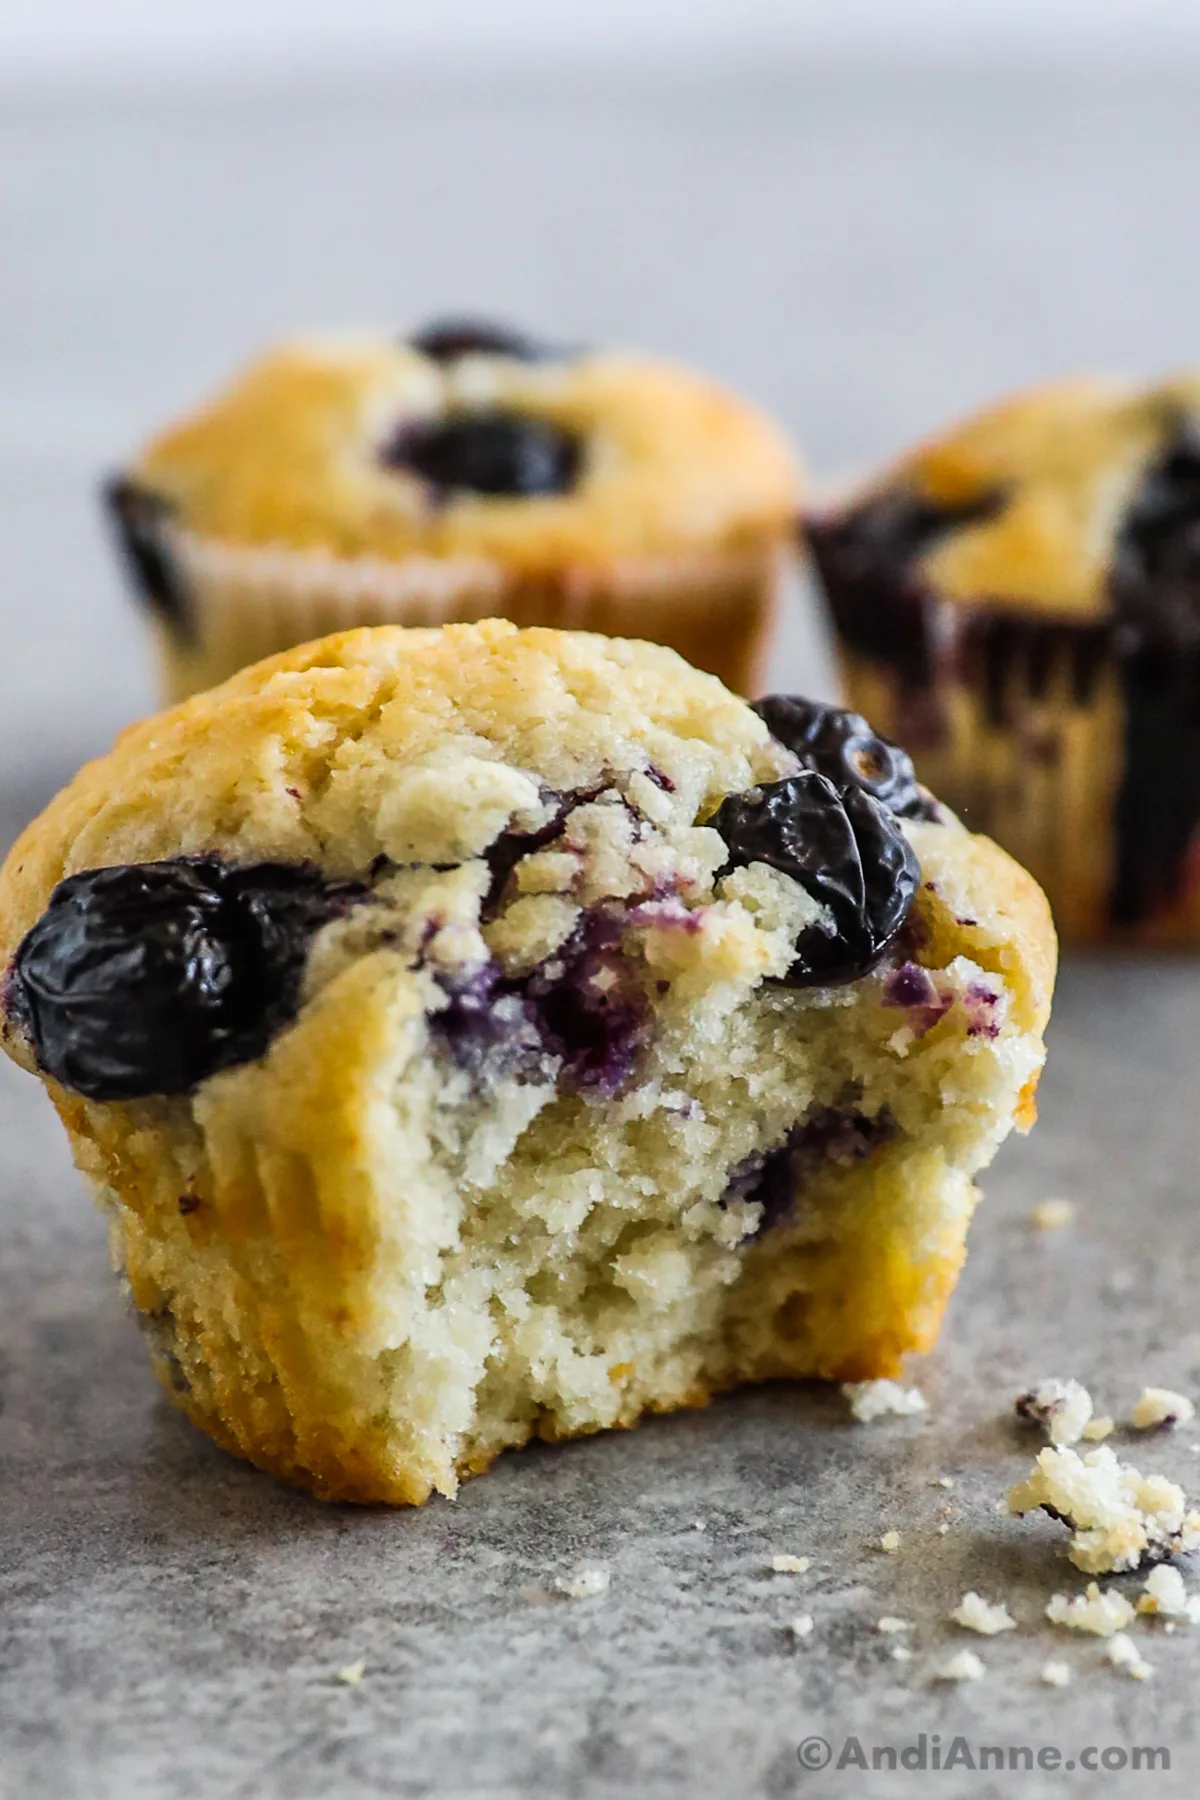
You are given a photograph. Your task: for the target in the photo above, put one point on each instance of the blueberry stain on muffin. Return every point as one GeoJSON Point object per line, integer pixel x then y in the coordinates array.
{"type": "Point", "coordinates": [775, 1179]}
{"type": "Point", "coordinates": [512, 847]}
{"type": "Point", "coordinates": [580, 1017]}
{"type": "Point", "coordinates": [503, 455]}
{"type": "Point", "coordinates": [1156, 594]}
{"type": "Point", "coordinates": [590, 1006]}
{"type": "Point", "coordinates": [1019, 601]}
{"type": "Point", "coordinates": [867, 558]}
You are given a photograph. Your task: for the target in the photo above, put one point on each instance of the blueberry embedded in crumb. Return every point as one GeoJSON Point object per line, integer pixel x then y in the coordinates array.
{"type": "Point", "coordinates": [511, 847]}
{"type": "Point", "coordinates": [841, 746]}
{"type": "Point", "coordinates": [481, 1021]}
{"type": "Point", "coordinates": [913, 988]}
{"type": "Point", "coordinates": [846, 850]}
{"type": "Point", "coordinates": [585, 1007]}
{"type": "Point", "coordinates": [501, 454]}
{"type": "Point", "coordinates": [146, 978]}
{"type": "Point", "coordinates": [445, 340]}
{"type": "Point", "coordinates": [590, 1006]}
{"type": "Point", "coordinates": [775, 1178]}
{"type": "Point", "coordinates": [139, 519]}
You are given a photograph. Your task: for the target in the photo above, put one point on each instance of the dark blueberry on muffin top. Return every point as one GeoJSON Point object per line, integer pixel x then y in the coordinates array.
{"type": "Point", "coordinates": [503, 454]}
{"type": "Point", "coordinates": [445, 340]}
{"type": "Point", "coordinates": [146, 978]}
{"type": "Point", "coordinates": [842, 747]}
{"type": "Point", "coordinates": [139, 518]}
{"type": "Point", "coordinates": [845, 850]}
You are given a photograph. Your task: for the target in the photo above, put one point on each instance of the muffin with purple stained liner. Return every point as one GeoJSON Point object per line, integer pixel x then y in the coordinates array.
{"type": "Point", "coordinates": [1018, 600]}
{"type": "Point", "coordinates": [464, 473]}
{"type": "Point", "coordinates": [480, 1034]}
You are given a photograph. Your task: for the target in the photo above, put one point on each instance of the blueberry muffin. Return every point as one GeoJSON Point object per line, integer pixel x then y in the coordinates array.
{"type": "Point", "coordinates": [465, 473]}
{"type": "Point", "coordinates": [477, 1034]}
{"type": "Point", "coordinates": [1019, 602]}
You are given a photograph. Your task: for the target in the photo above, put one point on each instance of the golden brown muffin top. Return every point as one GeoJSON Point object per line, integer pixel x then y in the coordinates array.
{"type": "Point", "coordinates": [293, 453]}
{"type": "Point", "coordinates": [1060, 463]}
{"type": "Point", "coordinates": [423, 746]}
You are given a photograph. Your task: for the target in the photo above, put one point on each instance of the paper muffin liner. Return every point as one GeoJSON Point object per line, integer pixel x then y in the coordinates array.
{"type": "Point", "coordinates": [1020, 725]}
{"type": "Point", "coordinates": [716, 607]}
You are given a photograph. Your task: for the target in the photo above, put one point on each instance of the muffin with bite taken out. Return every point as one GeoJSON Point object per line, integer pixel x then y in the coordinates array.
{"type": "Point", "coordinates": [479, 1034]}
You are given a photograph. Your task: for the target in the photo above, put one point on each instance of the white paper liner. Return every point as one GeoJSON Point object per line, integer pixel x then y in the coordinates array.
{"type": "Point", "coordinates": [249, 602]}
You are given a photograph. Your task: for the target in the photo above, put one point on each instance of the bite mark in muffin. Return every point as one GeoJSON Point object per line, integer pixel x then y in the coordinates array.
{"type": "Point", "coordinates": [545, 1135]}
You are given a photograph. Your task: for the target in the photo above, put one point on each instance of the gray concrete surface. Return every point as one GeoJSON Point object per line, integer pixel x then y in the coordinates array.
{"type": "Point", "coordinates": [865, 253]}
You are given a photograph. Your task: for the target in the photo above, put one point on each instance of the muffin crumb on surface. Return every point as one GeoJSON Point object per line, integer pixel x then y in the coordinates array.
{"type": "Point", "coordinates": [1159, 1408]}
{"type": "Point", "coordinates": [1098, 1611]}
{"type": "Point", "coordinates": [1117, 1516]}
{"type": "Point", "coordinates": [975, 1613]}
{"type": "Point", "coordinates": [870, 1400]}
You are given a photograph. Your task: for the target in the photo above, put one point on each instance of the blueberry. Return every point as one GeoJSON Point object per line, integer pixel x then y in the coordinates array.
{"type": "Point", "coordinates": [146, 978]}
{"type": "Point", "coordinates": [841, 746]}
{"type": "Point", "coordinates": [868, 560]}
{"type": "Point", "coordinates": [584, 1007]}
{"type": "Point", "coordinates": [776, 1177]}
{"type": "Point", "coordinates": [846, 850]}
{"type": "Point", "coordinates": [444, 340]}
{"type": "Point", "coordinates": [497, 453]}
{"type": "Point", "coordinates": [480, 1023]}
{"type": "Point", "coordinates": [1155, 588]}
{"type": "Point", "coordinates": [589, 1006]}
{"type": "Point", "coordinates": [139, 518]}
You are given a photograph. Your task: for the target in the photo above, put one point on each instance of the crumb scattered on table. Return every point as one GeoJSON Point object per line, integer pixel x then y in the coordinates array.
{"type": "Point", "coordinates": [1056, 1674]}
{"type": "Point", "coordinates": [964, 1665]}
{"type": "Point", "coordinates": [1123, 1653]}
{"type": "Point", "coordinates": [791, 1565]}
{"type": "Point", "coordinates": [1101, 1613]}
{"type": "Point", "coordinates": [1061, 1408]}
{"type": "Point", "coordinates": [882, 1399]}
{"type": "Point", "coordinates": [1166, 1596]}
{"type": "Point", "coordinates": [1116, 1515]}
{"type": "Point", "coordinates": [1053, 1214]}
{"type": "Point", "coordinates": [352, 1674]}
{"type": "Point", "coordinates": [584, 1585]}
{"type": "Point", "coordinates": [975, 1613]}
{"type": "Point", "coordinates": [1159, 1408]}
{"type": "Point", "coordinates": [890, 1542]}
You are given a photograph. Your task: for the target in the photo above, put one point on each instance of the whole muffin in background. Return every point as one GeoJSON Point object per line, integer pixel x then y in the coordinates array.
{"type": "Point", "coordinates": [464, 473]}
{"type": "Point", "coordinates": [1018, 600]}
{"type": "Point", "coordinates": [481, 1034]}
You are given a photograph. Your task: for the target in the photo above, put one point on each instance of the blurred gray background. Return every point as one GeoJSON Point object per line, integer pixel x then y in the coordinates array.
{"type": "Point", "coordinates": [869, 216]}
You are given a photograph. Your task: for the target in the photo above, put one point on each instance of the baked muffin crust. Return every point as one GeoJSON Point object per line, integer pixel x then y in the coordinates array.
{"type": "Point", "coordinates": [423, 1225]}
